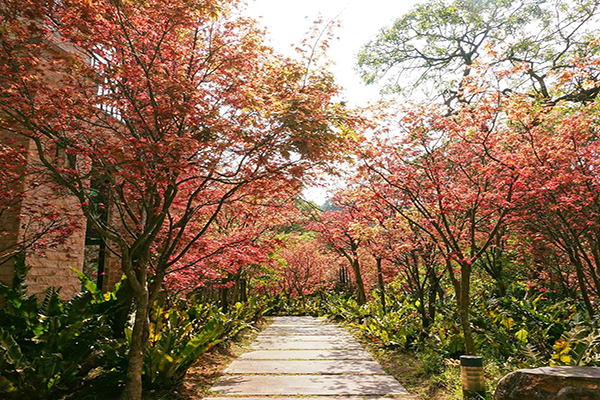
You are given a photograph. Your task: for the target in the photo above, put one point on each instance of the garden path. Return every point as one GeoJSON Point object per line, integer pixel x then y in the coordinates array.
{"type": "Point", "coordinates": [308, 357]}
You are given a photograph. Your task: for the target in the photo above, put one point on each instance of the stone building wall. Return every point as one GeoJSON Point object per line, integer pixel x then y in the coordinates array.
{"type": "Point", "coordinates": [56, 254]}
{"type": "Point", "coordinates": [9, 234]}
{"type": "Point", "coordinates": [59, 238]}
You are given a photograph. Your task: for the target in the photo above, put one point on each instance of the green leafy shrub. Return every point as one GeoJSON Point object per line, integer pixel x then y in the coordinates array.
{"type": "Point", "coordinates": [578, 346]}
{"type": "Point", "coordinates": [243, 316]}
{"type": "Point", "coordinates": [397, 327]}
{"type": "Point", "coordinates": [343, 307]}
{"type": "Point", "coordinates": [284, 305]}
{"type": "Point", "coordinates": [181, 333]}
{"type": "Point", "coordinates": [175, 343]}
{"type": "Point", "coordinates": [48, 348]}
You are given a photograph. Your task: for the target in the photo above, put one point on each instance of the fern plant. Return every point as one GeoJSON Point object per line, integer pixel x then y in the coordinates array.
{"type": "Point", "coordinates": [181, 333]}
{"type": "Point", "coordinates": [578, 346]}
{"type": "Point", "coordinates": [47, 348]}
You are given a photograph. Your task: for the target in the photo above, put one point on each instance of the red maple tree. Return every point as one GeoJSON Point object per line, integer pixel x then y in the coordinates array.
{"type": "Point", "coordinates": [174, 108]}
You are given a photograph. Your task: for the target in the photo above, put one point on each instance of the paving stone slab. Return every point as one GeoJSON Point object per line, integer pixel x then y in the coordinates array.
{"type": "Point", "coordinates": [314, 324]}
{"type": "Point", "coordinates": [305, 338]}
{"type": "Point", "coordinates": [304, 331]}
{"type": "Point", "coordinates": [304, 367]}
{"type": "Point", "coordinates": [304, 322]}
{"type": "Point", "coordinates": [303, 345]}
{"type": "Point", "coordinates": [324, 327]}
{"type": "Point", "coordinates": [332, 336]}
{"type": "Point", "coordinates": [300, 320]}
{"type": "Point", "coordinates": [307, 355]}
{"type": "Point", "coordinates": [316, 385]}
{"type": "Point", "coordinates": [302, 326]}
{"type": "Point", "coordinates": [303, 398]}
{"type": "Point", "coordinates": [295, 320]}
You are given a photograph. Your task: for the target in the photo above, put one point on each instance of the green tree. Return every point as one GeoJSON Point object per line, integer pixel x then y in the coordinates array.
{"type": "Point", "coordinates": [436, 46]}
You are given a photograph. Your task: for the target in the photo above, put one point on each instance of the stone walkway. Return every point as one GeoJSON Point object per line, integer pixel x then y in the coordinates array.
{"type": "Point", "coordinates": [305, 356]}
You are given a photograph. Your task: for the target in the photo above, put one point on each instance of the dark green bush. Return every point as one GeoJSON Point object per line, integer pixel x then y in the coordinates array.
{"type": "Point", "coordinates": [181, 333]}
{"type": "Point", "coordinates": [48, 348]}
{"type": "Point", "coordinates": [55, 349]}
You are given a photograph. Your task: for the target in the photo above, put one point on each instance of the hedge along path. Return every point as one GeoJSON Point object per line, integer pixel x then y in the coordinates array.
{"type": "Point", "coordinates": [305, 356]}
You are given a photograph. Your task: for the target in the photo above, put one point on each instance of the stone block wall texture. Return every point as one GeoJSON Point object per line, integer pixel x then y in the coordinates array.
{"type": "Point", "coordinates": [60, 248]}
{"type": "Point", "coordinates": [9, 216]}
{"type": "Point", "coordinates": [52, 261]}
{"type": "Point", "coordinates": [9, 233]}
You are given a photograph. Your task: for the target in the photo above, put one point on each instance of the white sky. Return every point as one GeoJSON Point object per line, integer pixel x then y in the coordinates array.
{"type": "Point", "coordinates": [287, 21]}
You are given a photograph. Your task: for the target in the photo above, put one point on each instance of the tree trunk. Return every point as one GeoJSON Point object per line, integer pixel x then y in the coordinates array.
{"type": "Point", "coordinates": [236, 289]}
{"type": "Point", "coordinates": [431, 308]}
{"type": "Point", "coordinates": [464, 298]}
{"type": "Point", "coordinates": [244, 290]}
{"type": "Point", "coordinates": [426, 322]}
{"type": "Point", "coordinates": [360, 286]}
{"type": "Point", "coordinates": [139, 339]}
{"type": "Point", "coordinates": [224, 302]}
{"type": "Point", "coordinates": [502, 289]}
{"type": "Point", "coordinates": [381, 285]}
{"type": "Point", "coordinates": [467, 330]}
{"type": "Point", "coordinates": [462, 289]}
{"type": "Point", "coordinates": [581, 279]}
{"type": "Point", "coordinates": [121, 314]}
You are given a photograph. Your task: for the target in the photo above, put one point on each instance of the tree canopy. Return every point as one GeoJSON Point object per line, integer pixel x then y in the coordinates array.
{"type": "Point", "coordinates": [174, 110]}
{"type": "Point", "coordinates": [436, 46]}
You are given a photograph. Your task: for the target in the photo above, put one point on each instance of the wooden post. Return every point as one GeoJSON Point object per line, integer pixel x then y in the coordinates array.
{"type": "Point", "coordinates": [473, 381]}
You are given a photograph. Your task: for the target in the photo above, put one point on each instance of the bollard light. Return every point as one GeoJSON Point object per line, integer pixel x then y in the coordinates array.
{"type": "Point", "coordinates": [471, 373]}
